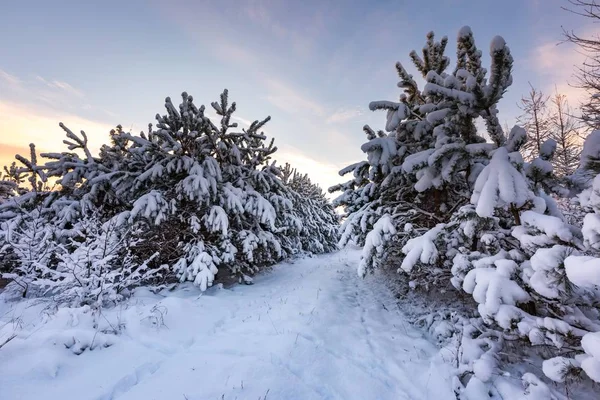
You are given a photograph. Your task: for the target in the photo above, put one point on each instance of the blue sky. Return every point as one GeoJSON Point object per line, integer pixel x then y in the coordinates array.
{"type": "Point", "coordinates": [313, 66]}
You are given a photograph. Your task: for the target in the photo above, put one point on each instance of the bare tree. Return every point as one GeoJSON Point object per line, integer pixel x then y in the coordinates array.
{"type": "Point", "coordinates": [588, 74]}
{"type": "Point", "coordinates": [563, 129]}
{"type": "Point", "coordinates": [535, 120]}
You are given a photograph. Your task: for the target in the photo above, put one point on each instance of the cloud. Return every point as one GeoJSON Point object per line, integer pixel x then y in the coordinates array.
{"type": "Point", "coordinates": [288, 99]}
{"type": "Point", "coordinates": [556, 66]}
{"type": "Point", "coordinates": [301, 38]}
{"type": "Point", "coordinates": [556, 59]}
{"type": "Point", "coordinates": [9, 79]}
{"type": "Point", "coordinates": [60, 85]}
{"type": "Point", "coordinates": [38, 91]}
{"type": "Point", "coordinates": [258, 12]}
{"type": "Point", "coordinates": [231, 52]}
{"type": "Point", "coordinates": [230, 45]}
{"type": "Point", "coordinates": [343, 115]}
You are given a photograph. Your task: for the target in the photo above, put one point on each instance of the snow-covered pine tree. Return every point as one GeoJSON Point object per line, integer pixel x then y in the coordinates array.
{"type": "Point", "coordinates": [98, 268]}
{"type": "Point", "coordinates": [359, 197]}
{"type": "Point", "coordinates": [461, 97]}
{"type": "Point", "coordinates": [318, 218]}
{"type": "Point", "coordinates": [11, 182]}
{"type": "Point", "coordinates": [425, 167]}
{"type": "Point", "coordinates": [581, 274]}
{"type": "Point", "coordinates": [208, 194]}
{"type": "Point", "coordinates": [30, 246]}
{"type": "Point", "coordinates": [380, 190]}
{"type": "Point", "coordinates": [26, 240]}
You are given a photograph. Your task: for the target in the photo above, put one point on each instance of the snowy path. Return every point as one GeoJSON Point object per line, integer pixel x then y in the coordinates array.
{"type": "Point", "coordinates": [308, 330]}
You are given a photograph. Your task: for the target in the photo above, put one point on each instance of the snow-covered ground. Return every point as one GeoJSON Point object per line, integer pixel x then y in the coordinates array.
{"type": "Point", "coordinates": [311, 329]}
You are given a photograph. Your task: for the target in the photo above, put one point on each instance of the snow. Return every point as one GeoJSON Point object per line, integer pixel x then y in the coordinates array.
{"type": "Point", "coordinates": [151, 205]}
{"type": "Point", "coordinates": [375, 241]}
{"type": "Point", "coordinates": [396, 112]}
{"type": "Point", "coordinates": [591, 364]}
{"type": "Point", "coordinates": [416, 160]}
{"type": "Point", "coordinates": [551, 226]}
{"type": "Point", "coordinates": [380, 150]}
{"type": "Point", "coordinates": [535, 389]}
{"type": "Point", "coordinates": [201, 269]}
{"type": "Point", "coordinates": [591, 344]}
{"type": "Point", "coordinates": [454, 94]}
{"type": "Point", "coordinates": [311, 329]}
{"type": "Point", "coordinates": [516, 138]}
{"type": "Point", "coordinates": [544, 262]}
{"type": "Point", "coordinates": [591, 230]}
{"type": "Point", "coordinates": [497, 44]}
{"type": "Point", "coordinates": [476, 389]}
{"type": "Point", "coordinates": [591, 147]}
{"type": "Point", "coordinates": [421, 248]}
{"type": "Point", "coordinates": [484, 367]}
{"type": "Point", "coordinates": [543, 166]}
{"type": "Point", "coordinates": [217, 220]}
{"type": "Point", "coordinates": [583, 271]}
{"type": "Point", "coordinates": [436, 117]}
{"type": "Point", "coordinates": [499, 185]}
{"type": "Point", "coordinates": [548, 148]}
{"type": "Point", "coordinates": [590, 197]}
{"type": "Point", "coordinates": [493, 287]}
{"type": "Point", "coordinates": [556, 368]}
{"type": "Point", "coordinates": [465, 31]}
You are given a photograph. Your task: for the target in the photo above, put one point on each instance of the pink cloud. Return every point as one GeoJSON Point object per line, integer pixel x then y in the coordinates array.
{"type": "Point", "coordinates": [555, 64]}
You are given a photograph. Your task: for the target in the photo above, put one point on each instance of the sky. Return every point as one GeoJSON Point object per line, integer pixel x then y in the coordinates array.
{"type": "Point", "coordinates": [313, 66]}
